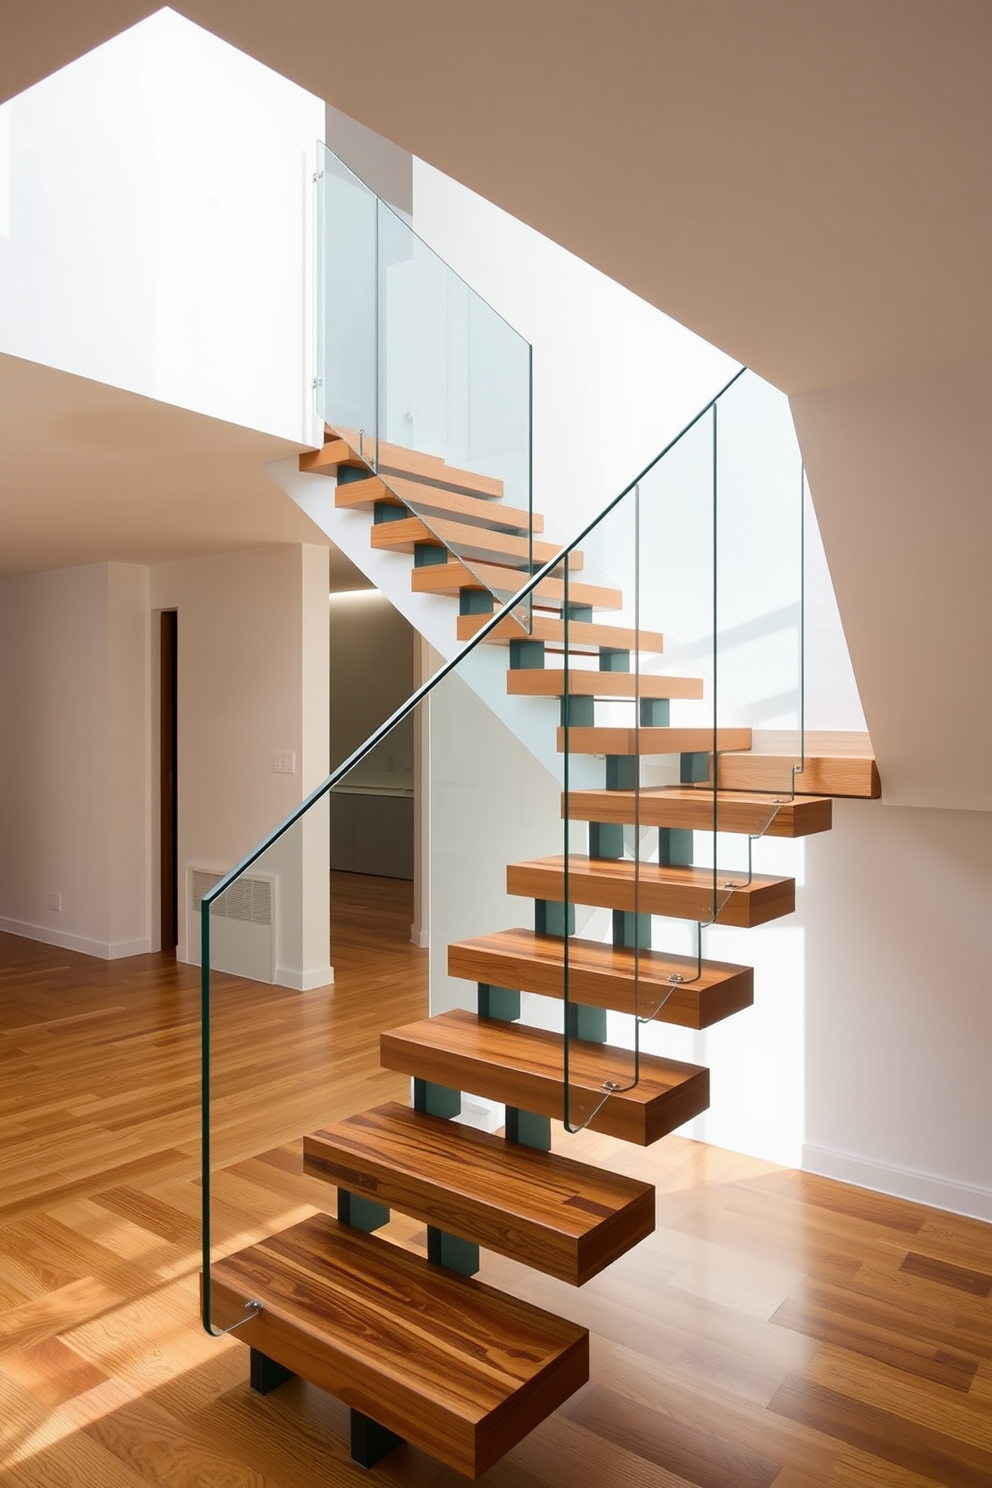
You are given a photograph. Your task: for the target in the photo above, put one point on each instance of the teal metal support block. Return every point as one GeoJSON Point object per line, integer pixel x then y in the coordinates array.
{"type": "Point", "coordinates": [528, 1129]}
{"type": "Point", "coordinates": [452, 1252]}
{"type": "Point", "coordinates": [265, 1374]}
{"type": "Point", "coordinates": [550, 918]}
{"type": "Point", "coordinates": [631, 930]}
{"type": "Point", "coordinates": [349, 473]}
{"type": "Point", "coordinates": [606, 839]}
{"type": "Point", "coordinates": [361, 1213]}
{"type": "Point", "coordinates": [428, 555]}
{"type": "Point", "coordinates": [654, 712]}
{"type": "Point", "coordinates": [587, 1023]}
{"type": "Point", "coordinates": [613, 660]}
{"type": "Point", "coordinates": [385, 511]}
{"type": "Point", "coordinates": [475, 602]}
{"type": "Point", "coordinates": [498, 1002]}
{"type": "Point", "coordinates": [436, 1100]}
{"type": "Point", "coordinates": [675, 846]}
{"type": "Point", "coordinates": [622, 771]}
{"type": "Point", "coordinates": [526, 656]}
{"type": "Point", "coordinates": [694, 769]}
{"type": "Point", "coordinates": [580, 612]}
{"type": "Point", "coordinates": [370, 1442]}
{"type": "Point", "coordinates": [578, 712]}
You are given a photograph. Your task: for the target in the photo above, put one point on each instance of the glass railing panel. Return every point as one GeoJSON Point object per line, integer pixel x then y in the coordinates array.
{"type": "Point", "coordinates": [437, 399]}
{"type": "Point", "coordinates": [346, 290]}
{"type": "Point", "coordinates": [638, 725]}
{"type": "Point", "coordinates": [759, 553]}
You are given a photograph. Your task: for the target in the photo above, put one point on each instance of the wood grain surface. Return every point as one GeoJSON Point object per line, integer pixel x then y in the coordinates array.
{"type": "Point", "coordinates": [423, 499]}
{"type": "Point", "coordinates": [701, 809]}
{"type": "Point", "coordinates": [595, 740]}
{"type": "Point", "coordinates": [461, 537]}
{"type": "Point", "coordinates": [526, 1068]}
{"type": "Point", "coordinates": [600, 975]}
{"type": "Point", "coordinates": [448, 1363]}
{"type": "Point", "coordinates": [756, 1282]}
{"type": "Point", "coordinates": [562, 1217]}
{"type": "Point", "coordinates": [583, 636]}
{"type": "Point", "coordinates": [650, 888]}
{"type": "Point", "coordinates": [451, 577]}
{"type": "Point", "coordinates": [563, 681]}
{"type": "Point", "coordinates": [395, 459]}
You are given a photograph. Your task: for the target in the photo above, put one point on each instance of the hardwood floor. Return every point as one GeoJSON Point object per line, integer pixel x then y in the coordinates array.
{"type": "Point", "coordinates": [776, 1328]}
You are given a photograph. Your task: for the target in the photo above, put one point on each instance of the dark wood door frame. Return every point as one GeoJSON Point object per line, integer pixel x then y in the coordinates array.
{"type": "Point", "coordinates": [168, 794]}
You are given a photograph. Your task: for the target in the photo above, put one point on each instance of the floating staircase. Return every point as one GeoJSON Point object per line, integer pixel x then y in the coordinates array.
{"type": "Point", "coordinates": [418, 1349]}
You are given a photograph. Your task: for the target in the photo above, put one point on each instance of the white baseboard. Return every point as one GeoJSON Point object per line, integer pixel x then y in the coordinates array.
{"type": "Point", "coordinates": [419, 937]}
{"type": "Point", "coordinates": [903, 1183]}
{"type": "Point", "coordinates": [305, 981]}
{"type": "Point", "coordinates": [104, 950]}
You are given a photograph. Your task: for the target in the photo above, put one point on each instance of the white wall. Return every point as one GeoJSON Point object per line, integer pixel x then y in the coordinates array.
{"type": "Point", "coordinates": [899, 470]}
{"type": "Point", "coordinates": [899, 1016]}
{"type": "Point", "coordinates": [74, 731]}
{"type": "Point", "coordinates": [253, 681]}
{"type": "Point", "coordinates": [159, 226]}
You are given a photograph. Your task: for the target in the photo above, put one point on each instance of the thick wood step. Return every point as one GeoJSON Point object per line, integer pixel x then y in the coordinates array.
{"type": "Point", "coordinates": [426, 500]}
{"type": "Point", "coordinates": [561, 1217]}
{"type": "Point", "coordinates": [606, 976]}
{"type": "Point", "coordinates": [449, 1364]}
{"type": "Point", "coordinates": [451, 577]}
{"type": "Point", "coordinates": [836, 764]}
{"type": "Point", "coordinates": [693, 809]}
{"type": "Point", "coordinates": [395, 459]}
{"type": "Point", "coordinates": [645, 741]}
{"type": "Point", "coordinates": [523, 1067]}
{"type": "Point", "coordinates": [559, 682]}
{"type": "Point", "coordinates": [461, 538]}
{"type": "Point", "coordinates": [582, 636]}
{"type": "Point", "coordinates": [650, 888]}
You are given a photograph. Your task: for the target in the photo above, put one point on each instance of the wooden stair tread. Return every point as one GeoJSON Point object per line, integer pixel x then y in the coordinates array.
{"type": "Point", "coordinates": [652, 888]}
{"type": "Point", "coordinates": [561, 1217]}
{"type": "Point", "coordinates": [451, 577]}
{"type": "Point", "coordinates": [691, 808]}
{"type": "Point", "coordinates": [601, 975]}
{"type": "Point", "coordinates": [419, 498]}
{"type": "Point", "coordinates": [462, 538]}
{"type": "Point", "coordinates": [582, 635]}
{"type": "Point", "coordinates": [823, 774]}
{"type": "Point", "coordinates": [451, 1365]}
{"type": "Point", "coordinates": [523, 1067]}
{"type": "Point", "coordinates": [596, 740]}
{"type": "Point", "coordinates": [396, 459]}
{"type": "Point", "coordinates": [558, 682]}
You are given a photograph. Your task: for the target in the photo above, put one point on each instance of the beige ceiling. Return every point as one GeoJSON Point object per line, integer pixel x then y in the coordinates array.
{"type": "Point", "coordinates": [803, 182]}
{"type": "Point", "coordinates": [90, 473]}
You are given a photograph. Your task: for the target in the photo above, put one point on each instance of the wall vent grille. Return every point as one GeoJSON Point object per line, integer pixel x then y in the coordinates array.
{"type": "Point", "coordinates": [249, 900]}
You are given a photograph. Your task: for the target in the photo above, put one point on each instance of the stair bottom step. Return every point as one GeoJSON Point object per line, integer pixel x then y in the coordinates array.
{"type": "Point", "coordinates": [449, 1364]}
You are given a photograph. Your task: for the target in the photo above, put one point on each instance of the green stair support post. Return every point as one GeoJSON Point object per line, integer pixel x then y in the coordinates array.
{"type": "Point", "coordinates": [654, 712]}
{"type": "Point", "coordinates": [475, 602]}
{"type": "Point", "coordinates": [524, 1127]}
{"type": "Point", "coordinates": [443, 1249]}
{"type": "Point", "coordinates": [588, 1023]}
{"type": "Point", "coordinates": [361, 1213]}
{"type": "Point", "coordinates": [428, 555]}
{"type": "Point", "coordinates": [550, 918]}
{"type": "Point", "coordinates": [580, 712]}
{"type": "Point", "coordinates": [606, 840]}
{"type": "Point", "coordinates": [675, 846]}
{"type": "Point", "coordinates": [613, 659]}
{"type": "Point", "coordinates": [631, 931]}
{"type": "Point", "coordinates": [694, 769]}
{"type": "Point", "coordinates": [387, 511]}
{"type": "Point", "coordinates": [526, 656]}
